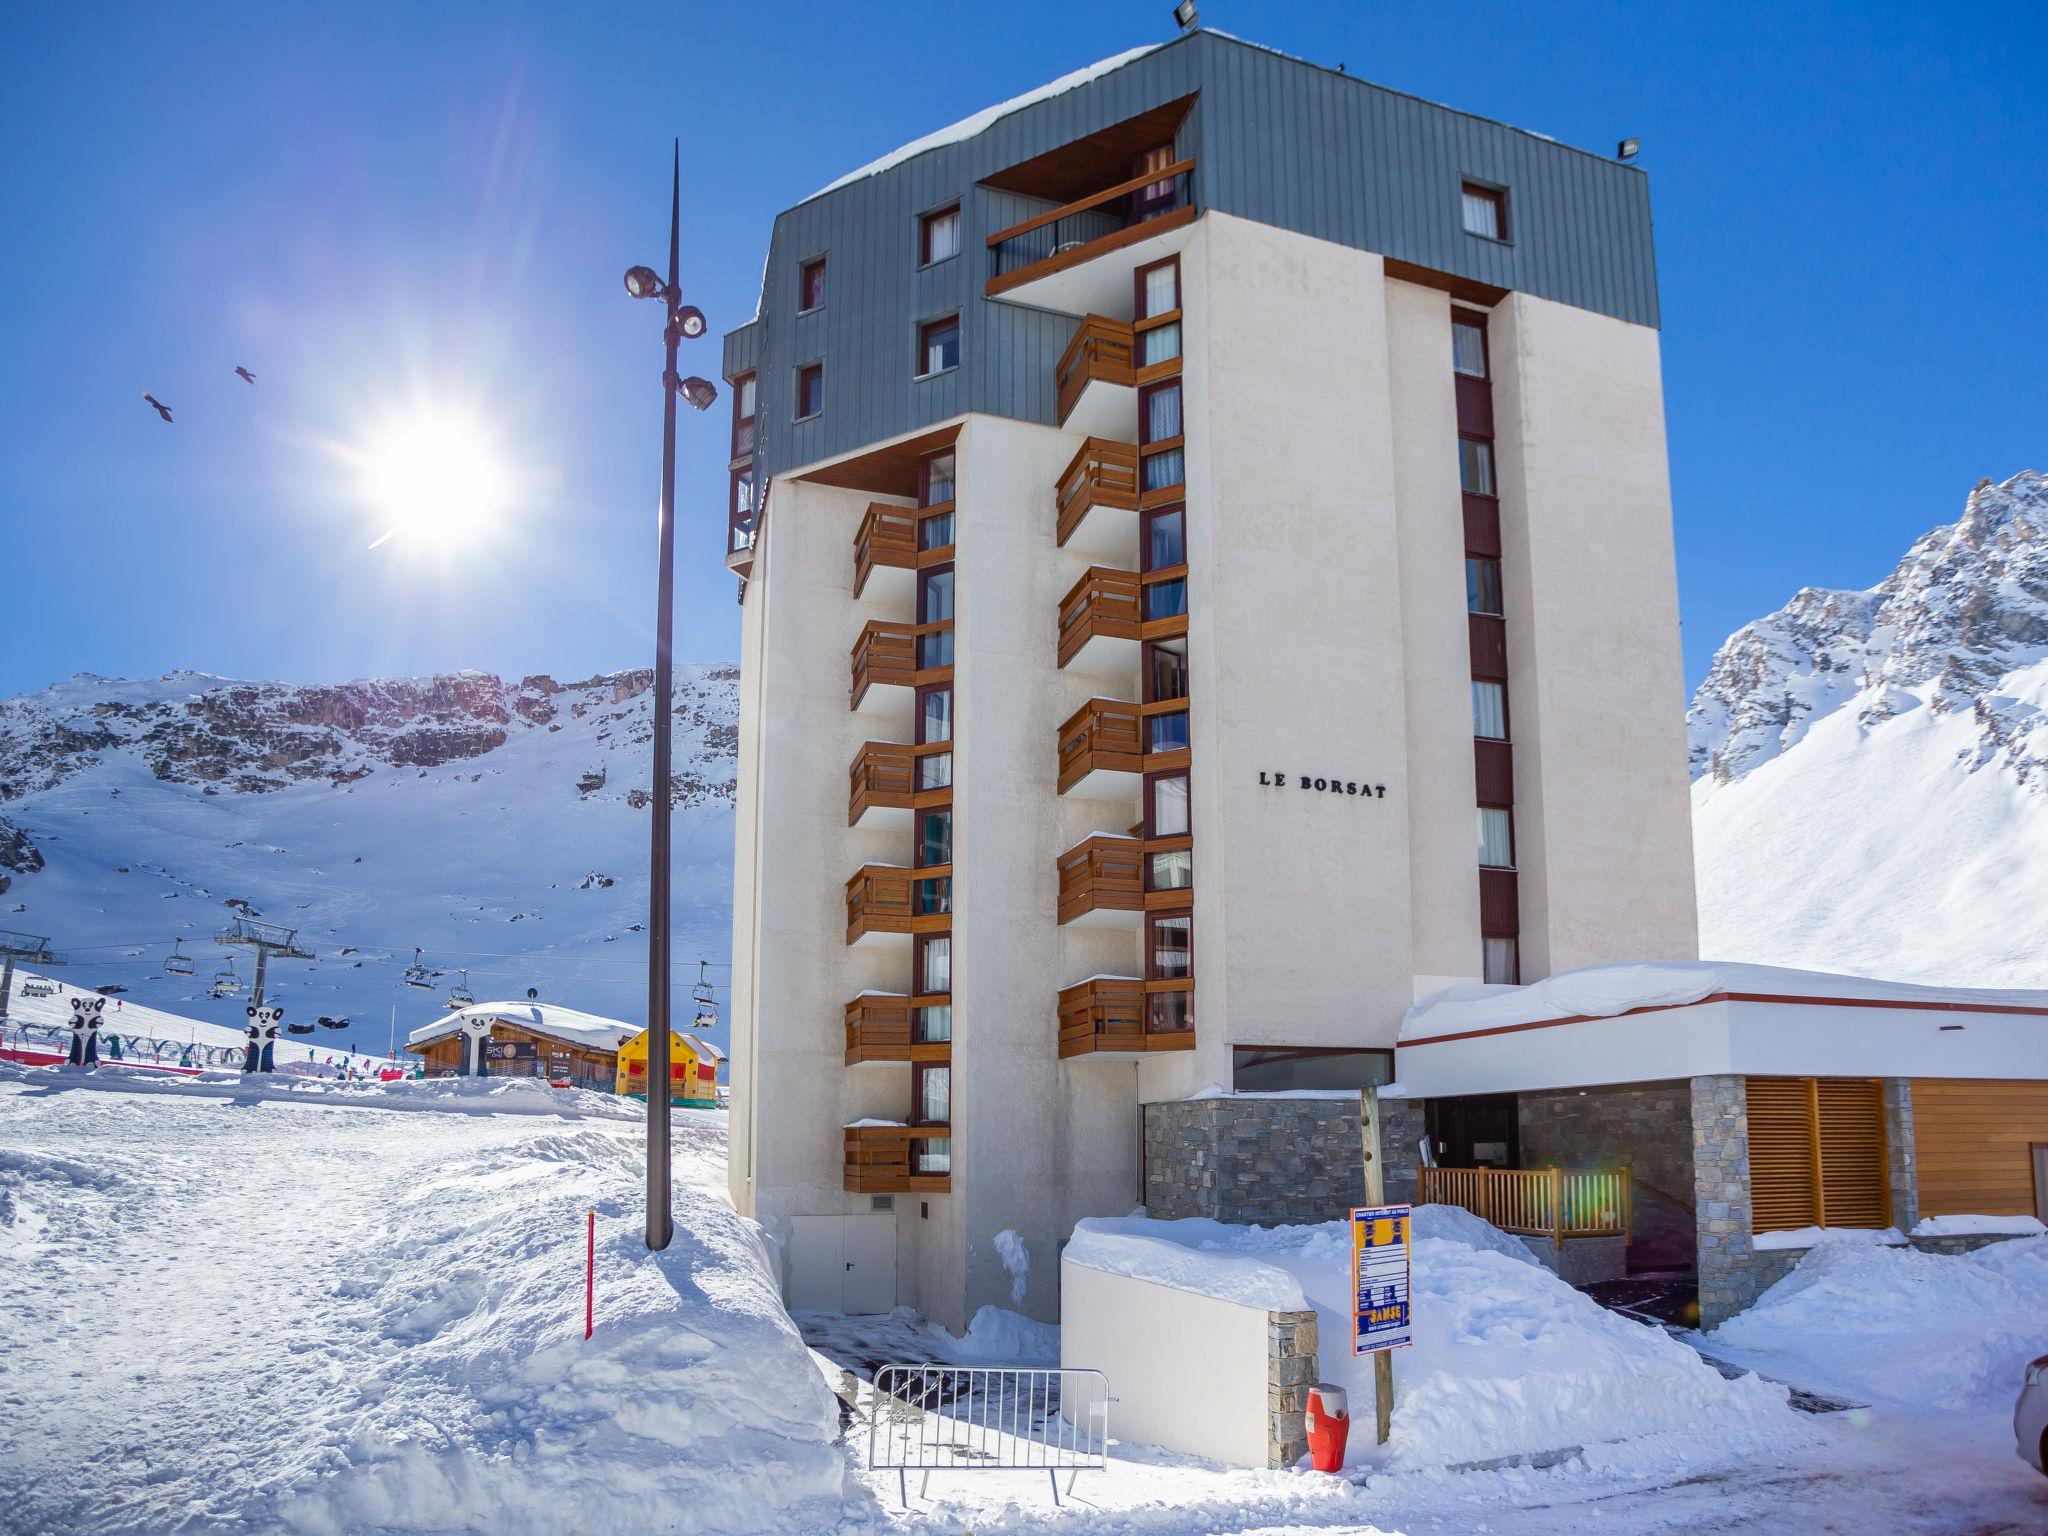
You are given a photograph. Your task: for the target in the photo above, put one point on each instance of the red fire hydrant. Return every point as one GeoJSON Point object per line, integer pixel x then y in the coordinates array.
{"type": "Point", "coordinates": [1329, 1426]}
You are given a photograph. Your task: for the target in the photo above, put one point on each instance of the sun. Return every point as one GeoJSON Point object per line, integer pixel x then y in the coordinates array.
{"type": "Point", "coordinates": [435, 477]}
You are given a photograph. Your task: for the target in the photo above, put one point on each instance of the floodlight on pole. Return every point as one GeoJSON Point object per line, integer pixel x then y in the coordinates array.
{"type": "Point", "coordinates": [1186, 15]}
{"type": "Point", "coordinates": [1628, 149]}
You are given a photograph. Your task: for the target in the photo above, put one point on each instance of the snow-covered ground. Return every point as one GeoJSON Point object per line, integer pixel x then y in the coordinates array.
{"type": "Point", "coordinates": [312, 1307]}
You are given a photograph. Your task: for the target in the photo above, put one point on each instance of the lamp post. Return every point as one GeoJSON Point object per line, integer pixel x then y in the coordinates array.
{"type": "Point", "coordinates": [683, 321]}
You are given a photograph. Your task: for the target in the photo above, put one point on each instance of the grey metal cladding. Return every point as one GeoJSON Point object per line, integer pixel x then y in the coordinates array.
{"type": "Point", "coordinates": [1275, 139]}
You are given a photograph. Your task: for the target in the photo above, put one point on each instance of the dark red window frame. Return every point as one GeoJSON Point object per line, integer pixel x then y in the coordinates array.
{"type": "Point", "coordinates": [1151, 813]}
{"type": "Point", "coordinates": [1152, 922]}
{"type": "Point", "coordinates": [920, 974]}
{"type": "Point", "coordinates": [924, 334]}
{"type": "Point", "coordinates": [924, 477]}
{"type": "Point", "coordinates": [1497, 196]}
{"type": "Point", "coordinates": [919, 1070]}
{"type": "Point", "coordinates": [925, 224]}
{"type": "Point", "coordinates": [806, 377]}
{"type": "Point", "coordinates": [810, 286]}
{"type": "Point", "coordinates": [1138, 287]}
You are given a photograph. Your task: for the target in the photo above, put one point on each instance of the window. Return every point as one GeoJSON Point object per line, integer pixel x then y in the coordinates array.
{"type": "Point", "coordinates": [1166, 540]}
{"type": "Point", "coordinates": [1166, 670]}
{"type": "Point", "coordinates": [934, 836]}
{"type": "Point", "coordinates": [934, 1094]}
{"type": "Point", "coordinates": [1158, 289]}
{"type": "Point", "coordinates": [934, 606]}
{"type": "Point", "coordinates": [1475, 466]}
{"type": "Point", "coordinates": [1486, 211]}
{"type": "Point", "coordinates": [1166, 599]}
{"type": "Point", "coordinates": [1159, 422]}
{"type": "Point", "coordinates": [1161, 344]}
{"type": "Point", "coordinates": [935, 963]}
{"type": "Point", "coordinates": [933, 1156]}
{"type": "Point", "coordinates": [1170, 869]}
{"type": "Point", "coordinates": [1172, 948]}
{"type": "Point", "coordinates": [1154, 198]}
{"type": "Point", "coordinates": [1468, 347]}
{"type": "Point", "coordinates": [1167, 733]}
{"type": "Point", "coordinates": [1496, 837]}
{"type": "Point", "coordinates": [1489, 710]}
{"type": "Point", "coordinates": [1168, 1013]}
{"type": "Point", "coordinates": [1482, 585]}
{"type": "Point", "coordinates": [743, 416]}
{"type": "Point", "coordinates": [932, 897]}
{"type": "Point", "coordinates": [935, 479]}
{"type": "Point", "coordinates": [1500, 961]}
{"type": "Point", "coordinates": [1167, 806]}
{"type": "Point", "coordinates": [810, 390]}
{"type": "Point", "coordinates": [934, 725]}
{"type": "Point", "coordinates": [743, 398]}
{"type": "Point", "coordinates": [810, 287]}
{"type": "Point", "coordinates": [938, 235]}
{"type": "Point", "coordinates": [938, 346]}
{"type": "Point", "coordinates": [1291, 1068]}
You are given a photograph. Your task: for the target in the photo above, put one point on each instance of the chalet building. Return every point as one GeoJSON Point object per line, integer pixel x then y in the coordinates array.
{"type": "Point", "coordinates": [1207, 583]}
{"type": "Point", "coordinates": [524, 1039]}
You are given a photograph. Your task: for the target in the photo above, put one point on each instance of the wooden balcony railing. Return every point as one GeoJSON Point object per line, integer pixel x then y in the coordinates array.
{"type": "Point", "coordinates": [1093, 226]}
{"type": "Point", "coordinates": [887, 898]}
{"type": "Point", "coordinates": [893, 775]}
{"type": "Point", "coordinates": [1103, 474]}
{"type": "Point", "coordinates": [890, 654]}
{"type": "Point", "coordinates": [1105, 734]}
{"type": "Point", "coordinates": [892, 1159]}
{"type": "Point", "coordinates": [1103, 604]}
{"type": "Point", "coordinates": [1100, 353]}
{"type": "Point", "coordinates": [1103, 873]}
{"type": "Point", "coordinates": [883, 1027]}
{"type": "Point", "coordinates": [1109, 1015]}
{"type": "Point", "coordinates": [887, 536]}
{"type": "Point", "coordinates": [1556, 1203]}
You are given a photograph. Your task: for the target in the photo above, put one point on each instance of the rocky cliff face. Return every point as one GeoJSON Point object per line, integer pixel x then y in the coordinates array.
{"type": "Point", "coordinates": [1965, 610]}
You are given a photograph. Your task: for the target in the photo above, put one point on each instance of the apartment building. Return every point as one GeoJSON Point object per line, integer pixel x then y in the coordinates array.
{"type": "Point", "coordinates": [1206, 566]}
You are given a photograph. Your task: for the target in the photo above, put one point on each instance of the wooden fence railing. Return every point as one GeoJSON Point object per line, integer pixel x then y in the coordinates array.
{"type": "Point", "coordinates": [1556, 1203]}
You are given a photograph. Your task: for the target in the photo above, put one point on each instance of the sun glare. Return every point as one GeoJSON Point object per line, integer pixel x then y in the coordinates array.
{"type": "Point", "coordinates": [435, 478]}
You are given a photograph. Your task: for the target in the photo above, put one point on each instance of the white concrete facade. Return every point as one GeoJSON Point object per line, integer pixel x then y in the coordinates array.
{"type": "Point", "coordinates": [1327, 638]}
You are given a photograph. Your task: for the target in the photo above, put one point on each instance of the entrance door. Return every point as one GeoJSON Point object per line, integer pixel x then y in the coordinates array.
{"type": "Point", "coordinates": [842, 1263]}
{"type": "Point", "coordinates": [1480, 1131]}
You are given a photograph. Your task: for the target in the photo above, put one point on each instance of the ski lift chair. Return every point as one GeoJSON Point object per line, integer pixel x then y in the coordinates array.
{"type": "Point", "coordinates": [459, 995]}
{"type": "Point", "coordinates": [178, 963]}
{"type": "Point", "coordinates": [416, 973]}
{"type": "Point", "coordinates": [226, 983]}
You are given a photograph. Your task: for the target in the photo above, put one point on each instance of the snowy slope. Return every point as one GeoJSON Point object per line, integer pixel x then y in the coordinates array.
{"type": "Point", "coordinates": [1870, 786]}
{"type": "Point", "coordinates": [361, 1310]}
{"type": "Point", "coordinates": [445, 813]}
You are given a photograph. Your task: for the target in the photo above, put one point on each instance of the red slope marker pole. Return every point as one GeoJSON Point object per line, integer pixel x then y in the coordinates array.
{"type": "Point", "coordinates": [590, 1278]}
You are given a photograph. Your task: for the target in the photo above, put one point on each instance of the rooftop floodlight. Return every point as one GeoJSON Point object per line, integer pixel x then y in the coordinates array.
{"type": "Point", "coordinates": [688, 321]}
{"type": "Point", "coordinates": [1628, 149]}
{"type": "Point", "coordinates": [699, 392]}
{"type": "Point", "coordinates": [642, 283]}
{"type": "Point", "coordinates": [1185, 14]}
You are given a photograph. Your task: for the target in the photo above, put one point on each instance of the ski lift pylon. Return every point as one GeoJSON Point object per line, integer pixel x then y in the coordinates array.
{"type": "Point", "coordinates": [177, 962]}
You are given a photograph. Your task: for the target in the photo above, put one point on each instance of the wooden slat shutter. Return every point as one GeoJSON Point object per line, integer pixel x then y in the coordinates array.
{"type": "Point", "coordinates": [1856, 1187]}
{"type": "Point", "coordinates": [1781, 1155]}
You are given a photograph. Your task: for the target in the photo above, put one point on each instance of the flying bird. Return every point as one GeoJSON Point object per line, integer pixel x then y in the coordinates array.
{"type": "Point", "coordinates": [161, 409]}
{"type": "Point", "coordinates": [246, 376]}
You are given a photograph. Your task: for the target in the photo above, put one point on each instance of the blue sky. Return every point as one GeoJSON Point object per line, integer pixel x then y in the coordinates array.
{"type": "Point", "coordinates": [376, 206]}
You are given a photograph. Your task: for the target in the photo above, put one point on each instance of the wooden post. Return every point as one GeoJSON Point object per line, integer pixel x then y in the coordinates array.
{"type": "Point", "coordinates": [1627, 1205]}
{"type": "Point", "coordinates": [1557, 1208]}
{"type": "Point", "coordinates": [1376, 1194]}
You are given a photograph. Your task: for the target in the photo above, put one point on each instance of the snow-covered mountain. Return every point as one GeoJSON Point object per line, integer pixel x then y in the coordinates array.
{"type": "Point", "coordinates": [1870, 769]}
{"type": "Point", "coordinates": [499, 827]}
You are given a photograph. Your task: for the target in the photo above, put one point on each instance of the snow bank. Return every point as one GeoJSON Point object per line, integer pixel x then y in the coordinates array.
{"type": "Point", "coordinates": [1602, 991]}
{"type": "Point", "coordinates": [1507, 1358]}
{"type": "Point", "coordinates": [1978, 1226]}
{"type": "Point", "coordinates": [1813, 1237]}
{"type": "Point", "coordinates": [351, 1320]}
{"type": "Point", "coordinates": [1930, 1329]}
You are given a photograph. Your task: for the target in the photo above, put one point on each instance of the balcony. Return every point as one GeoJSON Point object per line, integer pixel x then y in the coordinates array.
{"type": "Point", "coordinates": [893, 655]}
{"type": "Point", "coordinates": [1102, 478]}
{"type": "Point", "coordinates": [1049, 260]}
{"type": "Point", "coordinates": [1115, 1016]}
{"type": "Point", "coordinates": [895, 1159]}
{"type": "Point", "coordinates": [1102, 751]}
{"type": "Point", "coordinates": [886, 903]}
{"type": "Point", "coordinates": [883, 1026]}
{"type": "Point", "coordinates": [1102, 882]}
{"type": "Point", "coordinates": [886, 545]}
{"type": "Point", "coordinates": [888, 780]}
{"type": "Point", "coordinates": [1097, 380]}
{"type": "Point", "coordinates": [1101, 623]}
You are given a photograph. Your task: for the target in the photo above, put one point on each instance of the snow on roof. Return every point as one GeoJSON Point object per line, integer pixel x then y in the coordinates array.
{"type": "Point", "coordinates": [1603, 991]}
{"type": "Point", "coordinates": [968, 127]}
{"type": "Point", "coordinates": [544, 1018]}
{"type": "Point", "coordinates": [133, 1018]}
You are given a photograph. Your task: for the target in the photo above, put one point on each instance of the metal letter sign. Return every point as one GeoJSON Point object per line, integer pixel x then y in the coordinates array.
{"type": "Point", "coordinates": [1379, 1278]}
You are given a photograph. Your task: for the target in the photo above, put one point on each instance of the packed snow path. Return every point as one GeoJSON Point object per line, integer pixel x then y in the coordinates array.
{"type": "Point", "coordinates": [316, 1308]}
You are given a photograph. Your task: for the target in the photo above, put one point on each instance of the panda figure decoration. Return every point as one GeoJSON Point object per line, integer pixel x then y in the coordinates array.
{"type": "Point", "coordinates": [85, 1030]}
{"type": "Point", "coordinates": [260, 1053]}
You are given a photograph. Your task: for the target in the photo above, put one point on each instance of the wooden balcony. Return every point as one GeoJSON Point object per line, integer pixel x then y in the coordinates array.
{"type": "Point", "coordinates": [891, 655]}
{"type": "Point", "coordinates": [889, 902]}
{"type": "Point", "coordinates": [883, 1027]}
{"type": "Point", "coordinates": [1102, 476]}
{"type": "Point", "coordinates": [1556, 1203]}
{"type": "Point", "coordinates": [1045, 260]}
{"type": "Point", "coordinates": [1102, 881]}
{"type": "Point", "coordinates": [895, 1159]}
{"type": "Point", "coordinates": [889, 548]}
{"type": "Point", "coordinates": [887, 780]}
{"type": "Point", "coordinates": [1107, 1016]}
{"type": "Point", "coordinates": [1102, 750]}
{"type": "Point", "coordinates": [1101, 622]}
{"type": "Point", "coordinates": [1097, 380]}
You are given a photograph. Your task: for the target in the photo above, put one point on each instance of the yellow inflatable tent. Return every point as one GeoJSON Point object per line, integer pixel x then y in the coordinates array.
{"type": "Point", "coordinates": [692, 1068]}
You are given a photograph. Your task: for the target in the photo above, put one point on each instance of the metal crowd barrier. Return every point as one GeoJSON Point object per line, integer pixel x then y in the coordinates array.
{"type": "Point", "coordinates": [948, 1418]}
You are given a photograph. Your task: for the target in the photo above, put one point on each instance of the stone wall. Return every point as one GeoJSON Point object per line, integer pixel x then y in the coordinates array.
{"type": "Point", "coordinates": [1647, 1126]}
{"type": "Point", "coordinates": [1272, 1160]}
{"type": "Point", "coordinates": [1720, 1155]}
{"type": "Point", "coordinates": [1898, 1143]}
{"type": "Point", "coordinates": [1291, 1346]}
